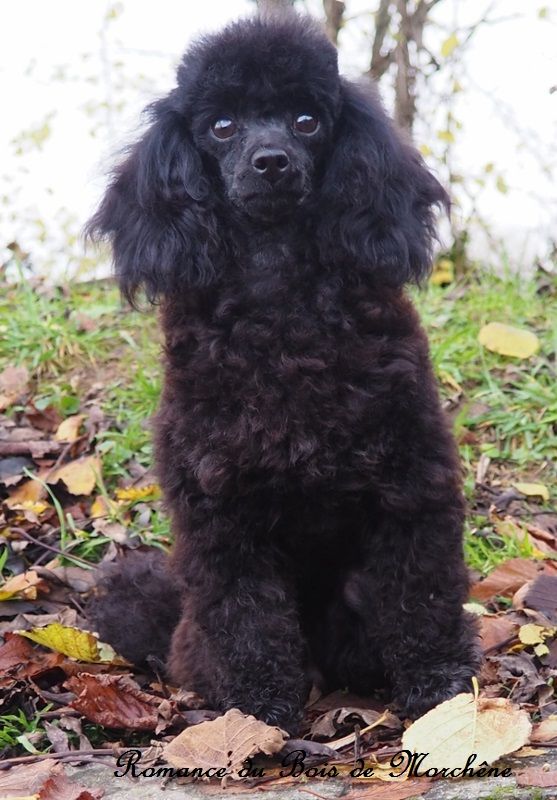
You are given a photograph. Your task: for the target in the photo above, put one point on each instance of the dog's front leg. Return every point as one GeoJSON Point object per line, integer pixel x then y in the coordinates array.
{"type": "Point", "coordinates": [239, 642]}
{"type": "Point", "coordinates": [429, 643]}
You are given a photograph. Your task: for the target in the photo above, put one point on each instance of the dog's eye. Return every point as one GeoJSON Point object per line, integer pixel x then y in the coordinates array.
{"type": "Point", "coordinates": [224, 128]}
{"type": "Point", "coordinates": [306, 123]}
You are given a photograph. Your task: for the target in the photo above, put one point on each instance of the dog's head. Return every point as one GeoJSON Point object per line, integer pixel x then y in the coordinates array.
{"type": "Point", "coordinates": [261, 99]}
{"type": "Point", "coordinates": [259, 129]}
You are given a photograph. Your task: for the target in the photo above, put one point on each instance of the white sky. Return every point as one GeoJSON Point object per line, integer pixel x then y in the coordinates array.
{"type": "Point", "coordinates": [511, 65]}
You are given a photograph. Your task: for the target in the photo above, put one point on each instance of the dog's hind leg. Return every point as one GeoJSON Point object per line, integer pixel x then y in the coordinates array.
{"type": "Point", "coordinates": [135, 606]}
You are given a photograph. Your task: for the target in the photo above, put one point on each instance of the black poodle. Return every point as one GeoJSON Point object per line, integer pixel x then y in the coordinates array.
{"type": "Point", "coordinates": [274, 212]}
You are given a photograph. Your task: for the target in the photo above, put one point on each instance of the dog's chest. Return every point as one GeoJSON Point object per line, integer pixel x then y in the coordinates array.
{"type": "Point", "coordinates": [287, 386]}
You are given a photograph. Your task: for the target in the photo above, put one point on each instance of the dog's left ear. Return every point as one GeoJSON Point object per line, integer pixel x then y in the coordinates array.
{"type": "Point", "coordinates": [378, 196]}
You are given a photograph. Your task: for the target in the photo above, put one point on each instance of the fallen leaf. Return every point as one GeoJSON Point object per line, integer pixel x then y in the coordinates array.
{"type": "Point", "coordinates": [80, 477]}
{"type": "Point", "coordinates": [151, 491]}
{"type": "Point", "coordinates": [453, 730]}
{"type": "Point", "coordinates": [115, 701]}
{"type": "Point", "coordinates": [542, 594]}
{"type": "Point", "coordinates": [529, 752]}
{"type": "Point", "coordinates": [519, 672]}
{"type": "Point", "coordinates": [101, 507]}
{"type": "Point", "coordinates": [224, 742]}
{"type": "Point", "coordinates": [495, 630]}
{"type": "Point", "coordinates": [508, 340]}
{"type": "Point", "coordinates": [546, 730]}
{"type": "Point", "coordinates": [533, 490]}
{"type": "Point", "coordinates": [330, 723]}
{"type": "Point", "coordinates": [73, 642]}
{"type": "Point", "coordinates": [45, 419]}
{"type": "Point", "coordinates": [505, 579]}
{"type": "Point", "coordinates": [536, 776]}
{"type": "Point", "coordinates": [43, 780]}
{"type": "Point", "coordinates": [28, 492]}
{"type": "Point", "coordinates": [24, 586]}
{"type": "Point", "coordinates": [535, 634]}
{"type": "Point", "coordinates": [14, 382]}
{"type": "Point", "coordinates": [19, 659]}
{"type": "Point", "coordinates": [68, 430]}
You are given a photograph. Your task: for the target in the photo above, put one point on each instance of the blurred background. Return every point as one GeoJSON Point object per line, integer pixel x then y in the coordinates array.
{"type": "Point", "coordinates": [474, 81]}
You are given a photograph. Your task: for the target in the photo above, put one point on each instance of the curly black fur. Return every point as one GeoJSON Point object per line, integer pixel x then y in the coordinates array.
{"type": "Point", "coordinates": [312, 480]}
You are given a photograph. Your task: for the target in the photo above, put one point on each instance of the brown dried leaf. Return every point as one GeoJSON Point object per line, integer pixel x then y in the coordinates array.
{"type": "Point", "coordinates": [546, 730]}
{"type": "Point", "coordinates": [330, 723]}
{"type": "Point", "coordinates": [14, 382]}
{"type": "Point", "coordinates": [494, 630]}
{"type": "Point", "coordinates": [224, 742]}
{"type": "Point", "coordinates": [44, 780]}
{"type": "Point", "coordinates": [542, 594]}
{"type": "Point", "coordinates": [453, 730]}
{"type": "Point", "coordinates": [45, 419]}
{"type": "Point", "coordinates": [79, 476]}
{"type": "Point", "coordinates": [26, 495]}
{"type": "Point", "coordinates": [115, 701]}
{"type": "Point", "coordinates": [25, 586]}
{"type": "Point", "coordinates": [19, 660]}
{"type": "Point", "coordinates": [68, 430]}
{"type": "Point", "coordinates": [506, 579]}
{"type": "Point", "coordinates": [518, 670]}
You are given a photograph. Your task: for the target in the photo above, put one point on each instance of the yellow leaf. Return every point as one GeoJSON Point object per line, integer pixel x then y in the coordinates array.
{"type": "Point", "coordinates": [74, 643]}
{"type": "Point", "coordinates": [79, 476]}
{"type": "Point", "coordinates": [101, 507]}
{"type": "Point", "coordinates": [508, 341]}
{"type": "Point", "coordinates": [68, 430]}
{"type": "Point", "coordinates": [533, 490]}
{"type": "Point", "coordinates": [27, 492]}
{"type": "Point", "coordinates": [449, 45]}
{"type": "Point", "coordinates": [425, 150]}
{"type": "Point", "coordinates": [37, 508]}
{"type": "Point", "coordinates": [443, 272]}
{"type": "Point", "coordinates": [152, 491]}
{"type": "Point", "coordinates": [531, 634]}
{"type": "Point", "coordinates": [23, 586]}
{"type": "Point", "coordinates": [541, 650]}
{"type": "Point", "coordinates": [535, 634]}
{"type": "Point", "coordinates": [454, 730]}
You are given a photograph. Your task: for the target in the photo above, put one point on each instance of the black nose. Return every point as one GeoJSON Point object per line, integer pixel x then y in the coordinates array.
{"type": "Point", "coordinates": [270, 164]}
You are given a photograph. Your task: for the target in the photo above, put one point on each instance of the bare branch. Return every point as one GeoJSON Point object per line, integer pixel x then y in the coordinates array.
{"type": "Point", "coordinates": [334, 16]}
{"type": "Point", "coordinates": [380, 63]}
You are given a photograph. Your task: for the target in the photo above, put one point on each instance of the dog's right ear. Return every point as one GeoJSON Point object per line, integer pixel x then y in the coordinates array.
{"type": "Point", "coordinates": [158, 211]}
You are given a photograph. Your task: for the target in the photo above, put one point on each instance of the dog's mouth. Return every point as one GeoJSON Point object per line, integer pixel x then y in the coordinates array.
{"type": "Point", "coordinates": [270, 205]}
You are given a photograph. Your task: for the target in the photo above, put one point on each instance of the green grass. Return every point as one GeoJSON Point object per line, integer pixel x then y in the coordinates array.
{"type": "Point", "coordinates": [116, 356]}
{"type": "Point", "coordinates": [17, 731]}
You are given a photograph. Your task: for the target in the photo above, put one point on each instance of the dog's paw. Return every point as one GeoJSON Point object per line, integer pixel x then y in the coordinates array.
{"type": "Point", "coordinates": [416, 700]}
